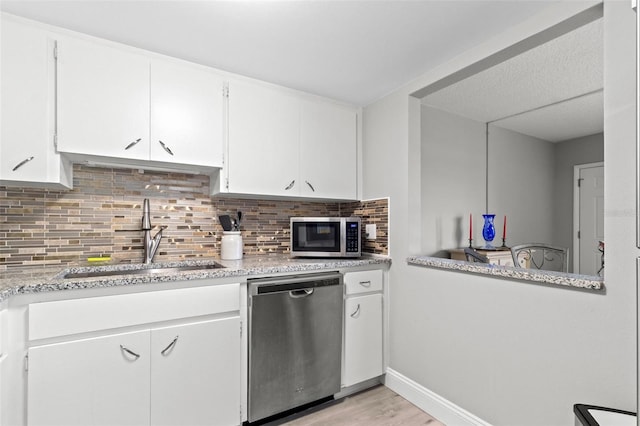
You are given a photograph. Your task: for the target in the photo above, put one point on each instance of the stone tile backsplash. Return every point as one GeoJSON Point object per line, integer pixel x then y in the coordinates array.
{"type": "Point", "coordinates": [371, 211]}
{"type": "Point", "coordinates": [102, 215]}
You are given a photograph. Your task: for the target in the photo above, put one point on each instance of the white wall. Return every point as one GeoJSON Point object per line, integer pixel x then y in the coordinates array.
{"type": "Point", "coordinates": [521, 185]}
{"type": "Point", "coordinates": [588, 149]}
{"type": "Point", "coordinates": [511, 352]}
{"type": "Point", "coordinates": [453, 166]}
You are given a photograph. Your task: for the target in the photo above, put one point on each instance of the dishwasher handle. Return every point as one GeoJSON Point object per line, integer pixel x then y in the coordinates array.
{"type": "Point", "coordinates": [293, 284]}
{"type": "Point", "coordinates": [296, 294]}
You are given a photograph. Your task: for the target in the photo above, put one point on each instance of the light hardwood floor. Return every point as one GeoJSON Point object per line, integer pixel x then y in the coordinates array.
{"type": "Point", "coordinates": [378, 406]}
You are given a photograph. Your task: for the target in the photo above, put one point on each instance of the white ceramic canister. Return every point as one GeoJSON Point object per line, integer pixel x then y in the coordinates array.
{"type": "Point", "coordinates": [231, 247]}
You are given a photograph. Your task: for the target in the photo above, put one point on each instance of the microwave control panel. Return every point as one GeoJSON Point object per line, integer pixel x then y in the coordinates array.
{"type": "Point", "coordinates": [353, 237]}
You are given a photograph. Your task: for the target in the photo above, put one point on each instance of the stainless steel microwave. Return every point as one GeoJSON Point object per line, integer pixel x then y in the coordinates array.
{"type": "Point", "coordinates": [325, 236]}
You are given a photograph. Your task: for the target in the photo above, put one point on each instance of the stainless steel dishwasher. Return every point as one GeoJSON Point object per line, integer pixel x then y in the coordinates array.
{"type": "Point", "coordinates": [295, 341]}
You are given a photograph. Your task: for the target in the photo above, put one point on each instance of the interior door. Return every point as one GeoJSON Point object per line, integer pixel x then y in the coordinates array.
{"type": "Point", "coordinates": [590, 218]}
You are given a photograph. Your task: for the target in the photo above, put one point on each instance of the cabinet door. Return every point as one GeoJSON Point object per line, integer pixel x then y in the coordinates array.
{"type": "Point", "coordinates": [195, 374]}
{"type": "Point", "coordinates": [362, 339]}
{"type": "Point", "coordinates": [27, 152]}
{"type": "Point", "coordinates": [90, 382]}
{"type": "Point", "coordinates": [186, 115]}
{"type": "Point", "coordinates": [103, 100]}
{"type": "Point", "coordinates": [264, 128]}
{"type": "Point", "coordinates": [328, 151]}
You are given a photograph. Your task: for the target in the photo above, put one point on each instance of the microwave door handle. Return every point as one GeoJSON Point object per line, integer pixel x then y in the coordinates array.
{"type": "Point", "coordinates": [343, 237]}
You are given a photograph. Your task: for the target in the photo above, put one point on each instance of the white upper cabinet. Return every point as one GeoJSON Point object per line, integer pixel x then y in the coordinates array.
{"type": "Point", "coordinates": [112, 104]}
{"type": "Point", "coordinates": [282, 144]}
{"type": "Point", "coordinates": [328, 161]}
{"type": "Point", "coordinates": [27, 151]}
{"type": "Point", "coordinates": [103, 100]}
{"type": "Point", "coordinates": [264, 128]}
{"type": "Point", "coordinates": [186, 114]}
{"type": "Point", "coordinates": [124, 105]}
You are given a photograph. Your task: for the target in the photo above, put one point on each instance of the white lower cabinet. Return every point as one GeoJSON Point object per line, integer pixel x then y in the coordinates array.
{"type": "Point", "coordinates": [180, 375]}
{"type": "Point", "coordinates": [363, 327]}
{"type": "Point", "coordinates": [97, 381]}
{"type": "Point", "coordinates": [168, 357]}
{"type": "Point", "coordinates": [195, 374]}
{"type": "Point", "coordinates": [363, 339]}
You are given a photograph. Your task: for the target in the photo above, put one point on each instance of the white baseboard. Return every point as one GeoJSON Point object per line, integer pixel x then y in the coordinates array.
{"type": "Point", "coordinates": [442, 409]}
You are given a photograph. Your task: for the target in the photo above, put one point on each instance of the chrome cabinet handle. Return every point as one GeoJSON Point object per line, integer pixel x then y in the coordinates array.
{"type": "Point", "coordinates": [356, 312]}
{"type": "Point", "coordinates": [171, 345]}
{"type": "Point", "coordinates": [165, 147]}
{"type": "Point", "coordinates": [22, 163]}
{"type": "Point", "coordinates": [293, 182]}
{"type": "Point", "coordinates": [310, 186]}
{"type": "Point", "coordinates": [365, 283]}
{"type": "Point", "coordinates": [130, 352]}
{"type": "Point", "coordinates": [132, 143]}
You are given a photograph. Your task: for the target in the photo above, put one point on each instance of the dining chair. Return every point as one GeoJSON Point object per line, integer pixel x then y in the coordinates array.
{"type": "Point", "coordinates": [540, 256]}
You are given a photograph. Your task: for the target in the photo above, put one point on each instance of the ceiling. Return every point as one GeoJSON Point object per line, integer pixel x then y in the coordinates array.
{"type": "Point", "coordinates": [353, 51]}
{"type": "Point", "coordinates": [553, 92]}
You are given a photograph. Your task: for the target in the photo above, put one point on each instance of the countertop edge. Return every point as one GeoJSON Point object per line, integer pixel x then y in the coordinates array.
{"type": "Point", "coordinates": [50, 279]}
{"type": "Point", "coordinates": [560, 279]}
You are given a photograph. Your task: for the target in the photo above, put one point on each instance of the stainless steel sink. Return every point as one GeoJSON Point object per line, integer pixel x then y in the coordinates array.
{"type": "Point", "coordinates": [143, 271]}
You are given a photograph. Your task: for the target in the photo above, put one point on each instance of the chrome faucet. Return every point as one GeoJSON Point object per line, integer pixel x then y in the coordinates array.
{"type": "Point", "coordinates": [150, 244]}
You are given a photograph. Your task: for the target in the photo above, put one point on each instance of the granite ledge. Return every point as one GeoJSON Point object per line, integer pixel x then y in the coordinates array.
{"type": "Point", "coordinates": [585, 282]}
{"type": "Point", "coordinates": [45, 279]}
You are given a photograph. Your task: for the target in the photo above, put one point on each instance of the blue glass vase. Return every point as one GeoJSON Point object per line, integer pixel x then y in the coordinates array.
{"type": "Point", "coordinates": [488, 230]}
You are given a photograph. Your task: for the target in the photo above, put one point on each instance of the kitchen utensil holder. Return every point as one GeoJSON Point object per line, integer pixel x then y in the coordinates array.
{"type": "Point", "coordinates": [231, 246]}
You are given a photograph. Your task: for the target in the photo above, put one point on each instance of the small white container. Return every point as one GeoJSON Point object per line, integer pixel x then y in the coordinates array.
{"type": "Point", "coordinates": [231, 247]}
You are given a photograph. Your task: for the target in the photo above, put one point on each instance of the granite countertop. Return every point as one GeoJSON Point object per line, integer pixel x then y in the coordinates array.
{"type": "Point", "coordinates": [586, 282]}
{"type": "Point", "coordinates": [42, 279]}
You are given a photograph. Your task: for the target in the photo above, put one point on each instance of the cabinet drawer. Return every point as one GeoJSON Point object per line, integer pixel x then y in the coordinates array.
{"type": "Point", "coordinates": [64, 317]}
{"type": "Point", "coordinates": [363, 281]}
